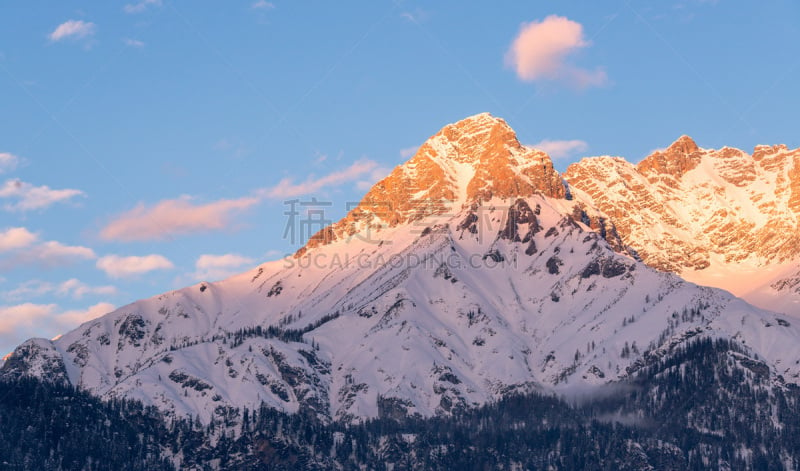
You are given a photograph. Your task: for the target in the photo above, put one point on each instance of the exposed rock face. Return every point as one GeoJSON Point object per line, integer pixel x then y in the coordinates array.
{"type": "Point", "coordinates": [494, 282]}
{"type": "Point", "coordinates": [473, 160]}
{"type": "Point", "coordinates": [684, 207]}
{"type": "Point", "coordinates": [681, 157]}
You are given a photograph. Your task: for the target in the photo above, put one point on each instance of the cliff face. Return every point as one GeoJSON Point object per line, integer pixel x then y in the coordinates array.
{"type": "Point", "coordinates": [687, 208]}
{"type": "Point", "coordinates": [466, 163]}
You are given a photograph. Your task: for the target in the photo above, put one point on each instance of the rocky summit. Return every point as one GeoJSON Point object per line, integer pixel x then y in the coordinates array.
{"type": "Point", "coordinates": [476, 285]}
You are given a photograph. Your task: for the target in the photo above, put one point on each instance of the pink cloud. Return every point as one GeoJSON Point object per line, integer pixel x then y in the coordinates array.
{"type": "Point", "coordinates": [76, 317]}
{"type": "Point", "coordinates": [216, 267]}
{"type": "Point", "coordinates": [124, 267]}
{"type": "Point", "coordinates": [53, 250]}
{"type": "Point", "coordinates": [140, 6]}
{"type": "Point", "coordinates": [174, 217]}
{"type": "Point", "coordinates": [262, 5]}
{"type": "Point", "coordinates": [408, 152]}
{"type": "Point", "coordinates": [540, 51]}
{"type": "Point", "coordinates": [72, 29]}
{"type": "Point", "coordinates": [50, 254]}
{"type": "Point", "coordinates": [73, 288]}
{"type": "Point", "coordinates": [31, 197]}
{"type": "Point", "coordinates": [287, 189]}
{"type": "Point", "coordinates": [28, 319]}
{"type": "Point", "coordinates": [561, 149]}
{"type": "Point", "coordinates": [221, 261]}
{"type": "Point", "coordinates": [78, 289]}
{"type": "Point", "coordinates": [16, 238]}
{"type": "Point", "coordinates": [8, 162]}
{"type": "Point", "coordinates": [13, 318]}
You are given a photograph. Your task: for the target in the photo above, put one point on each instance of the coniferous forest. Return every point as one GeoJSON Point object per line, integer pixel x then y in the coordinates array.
{"type": "Point", "coordinates": [707, 406]}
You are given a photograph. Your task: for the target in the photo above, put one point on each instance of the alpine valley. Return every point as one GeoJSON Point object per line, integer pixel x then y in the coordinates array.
{"type": "Point", "coordinates": [477, 310]}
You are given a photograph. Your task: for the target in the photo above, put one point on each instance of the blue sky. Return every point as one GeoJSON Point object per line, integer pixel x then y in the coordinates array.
{"type": "Point", "coordinates": [147, 145]}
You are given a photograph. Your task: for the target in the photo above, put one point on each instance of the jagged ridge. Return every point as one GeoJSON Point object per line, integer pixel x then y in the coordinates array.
{"type": "Point", "coordinates": [508, 286]}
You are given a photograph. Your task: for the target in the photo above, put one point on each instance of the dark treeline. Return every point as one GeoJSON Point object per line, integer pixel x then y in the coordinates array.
{"type": "Point", "coordinates": [708, 405]}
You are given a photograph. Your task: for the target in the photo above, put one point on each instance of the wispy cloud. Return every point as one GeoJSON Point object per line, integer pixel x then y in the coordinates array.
{"type": "Point", "coordinates": [73, 29]}
{"type": "Point", "coordinates": [72, 288]}
{"type": "Point", "coordinates": [53, 253]}
{"type": "Point", "coordinates": [541, 49]}
{"type": "Point", "coordinates": [50, 254]}
{"type": "Point", "coordinates": [216, 267]}
{"type": "Point", "coordinates": [174, 217]}
{"type": "Point", "coordinates": [561, 149]}
{"type": "Point", "coordinates": [181, 216]}
{"type": "Point", "coordinates": [372, 177]}
{"type": "Point", "coordinates": [29, 197]}
{"type": "Point", "coordinates": [286, 188]}
{"type": "Point", "coordinates": [262, 5]}
{"type": "Point", "coordinates": [28, 290]}
{"type": "Point", "coordinates": [16, 238]}
{"type": "Point", "coordinates": [126, 267]}
{"type": "Point", "coordinates": [29, 319]}
{"type": "Point", "coordinates": [133, 43]}
{"type": "Point", "coordinates": [77, 289]}
{"type": "Point", "coordinates": [140, 6]}
{"type": "Point", "coordinates": [416, 16]}
{"type": "Point", "coordinates": [232, 147]}
{"type": "Point", "coordinates": [8, 162]}
{"type": "Point", "coordinates": [75, 317]}
{"type": "Point", "coordinates": [408, 152]}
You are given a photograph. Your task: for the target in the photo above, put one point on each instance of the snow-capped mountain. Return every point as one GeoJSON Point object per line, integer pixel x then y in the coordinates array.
{"type": "Point", "coordinates": [721, 218]}
{"type": "Point", "coordinates": [470, 272]}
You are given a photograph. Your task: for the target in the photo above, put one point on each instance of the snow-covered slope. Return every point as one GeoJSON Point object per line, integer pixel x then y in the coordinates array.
{"type": "Point", "coordinates": [509, 286]}
{"type": "Point", "coordinates": [719, 217]}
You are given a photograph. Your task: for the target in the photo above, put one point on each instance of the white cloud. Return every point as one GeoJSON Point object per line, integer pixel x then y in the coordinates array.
{"type": "Point", "coordinates": [72, 29]}
{"type": "Point", "coordinates": [16, 238]}
{"type": "Point", "coordinates": [31, 197]}
{"type": "Point", "coordinates": [561, 149]}
{"type": "Point", "coordinates": [262, 5]}
{"type": "Point", "coordinates": [216, 267]}
{"type": "Point", "coordinates": [174, 217]}
{"type": "Point", "coordinates": [287, 189]}
{"type": "Point", "coordinates": [540, 51]}
{"type": "Point", "coordinates": [8, 162]}
{"type": "Point", "coordinates": [141, 6]}
{"type": "Point", "coordinates": [124, 267]}
{"type": "Point", "coordinates": [133, 42]}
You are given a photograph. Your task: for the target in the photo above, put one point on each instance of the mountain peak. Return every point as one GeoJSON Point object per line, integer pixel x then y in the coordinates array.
{"type": "Point", "coordinates": [680, 157]}
{"type": "Point", "coordinates": [471, 137]}
{"type": "Point", "coordinates": [473, 160]}
{"type": "Point", "coordinates": [683, 145]}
